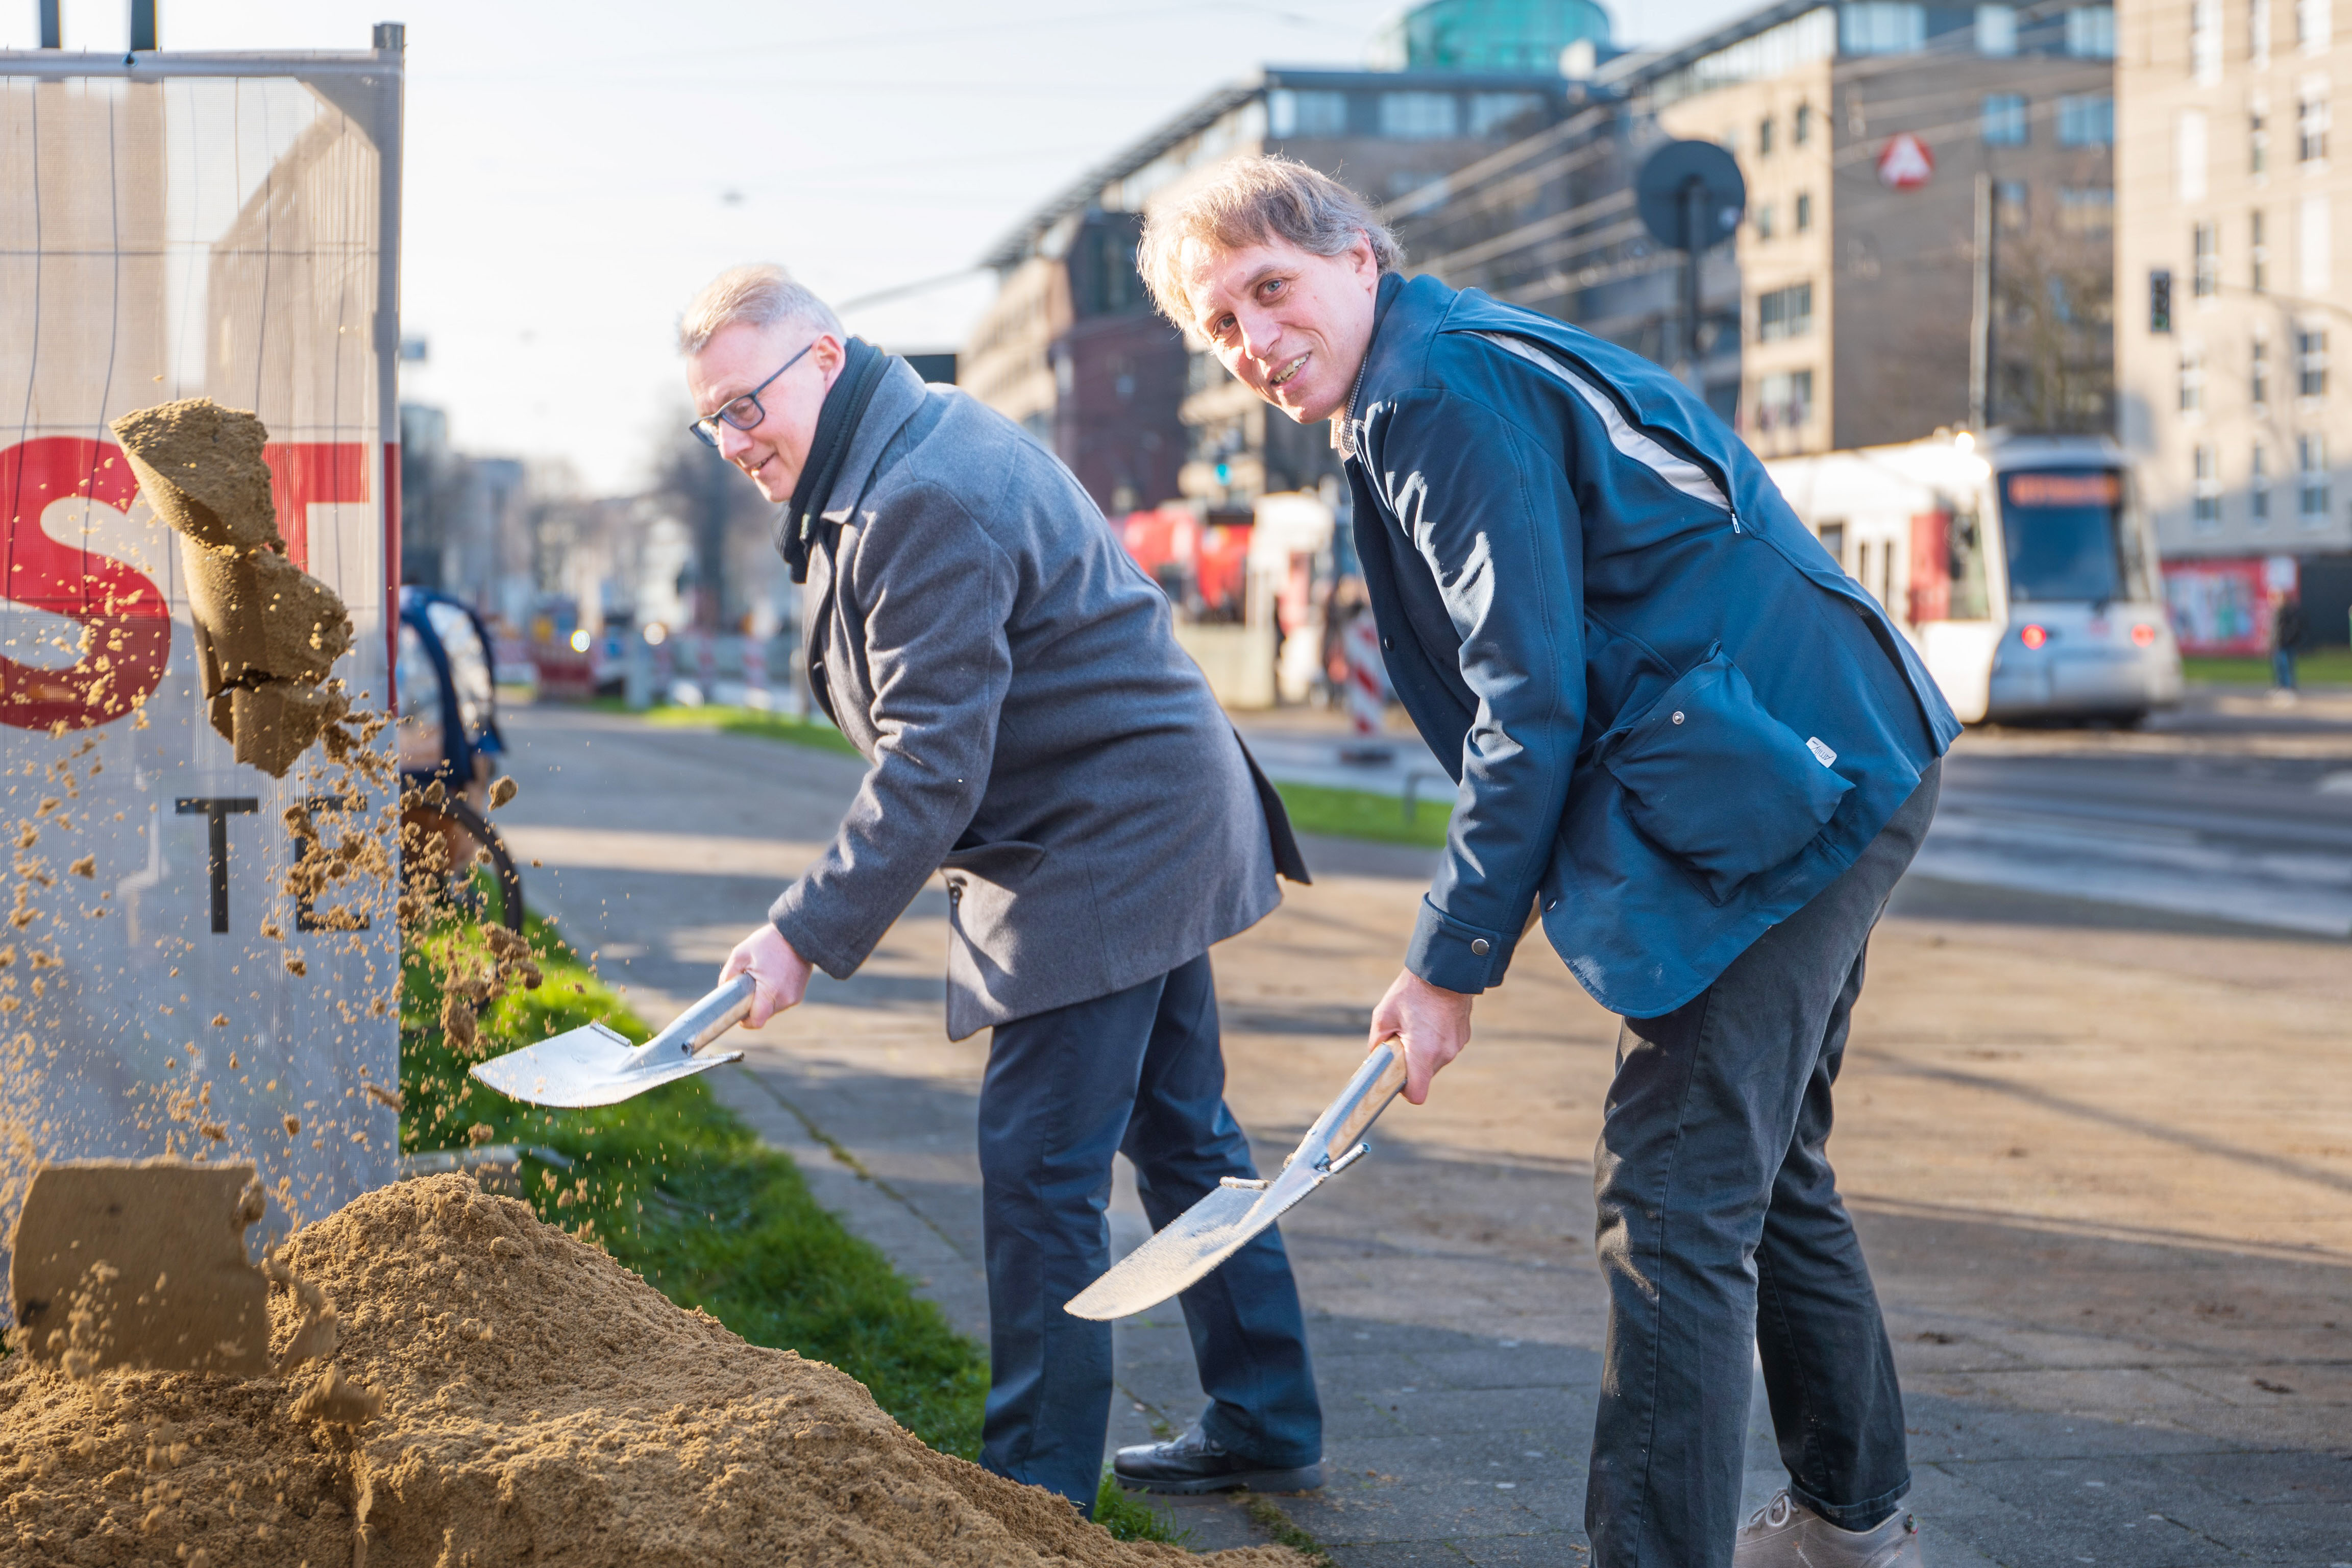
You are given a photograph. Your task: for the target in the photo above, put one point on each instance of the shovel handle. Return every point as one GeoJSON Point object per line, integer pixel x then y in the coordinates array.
{"type": "Point", "coordinates": [705, 1021]}
{"type": "Point", "coordinates": [1375, 1098]}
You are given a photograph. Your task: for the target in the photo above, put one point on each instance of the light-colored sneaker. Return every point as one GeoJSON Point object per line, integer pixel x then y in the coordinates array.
{"type": "Point", "coordinates": [1785, 1534]}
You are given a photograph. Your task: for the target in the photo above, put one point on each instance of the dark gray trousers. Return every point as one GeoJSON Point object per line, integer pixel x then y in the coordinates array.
{"type": "Point", "coordinates": [1142, 1072]}
{"type": "Point", "coordinates": [1721, 1235]}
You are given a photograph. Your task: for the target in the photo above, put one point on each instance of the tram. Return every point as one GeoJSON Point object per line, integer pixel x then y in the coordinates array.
{"type": "Point", "coordinates": [2022, 567]}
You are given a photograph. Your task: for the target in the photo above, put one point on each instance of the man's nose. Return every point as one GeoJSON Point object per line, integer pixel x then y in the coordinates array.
{"type": "Point", "coordinates": [732, 443]}
{"type": "Point", "coordinates": [1261, 339]}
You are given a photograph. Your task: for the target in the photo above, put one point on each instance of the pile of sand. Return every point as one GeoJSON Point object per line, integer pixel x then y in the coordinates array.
{"type": "Point", "coordinates": [538, 1403]}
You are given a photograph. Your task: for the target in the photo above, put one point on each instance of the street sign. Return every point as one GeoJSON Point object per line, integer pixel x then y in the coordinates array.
{"type": "Point", "coordinates": [1690, 194]}
{"type": "Point", "coordinates": [1904, 163]}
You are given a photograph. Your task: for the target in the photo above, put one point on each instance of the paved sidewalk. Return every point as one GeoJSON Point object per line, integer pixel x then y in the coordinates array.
{"type": "Point", "coordinates": [2102, 1172]}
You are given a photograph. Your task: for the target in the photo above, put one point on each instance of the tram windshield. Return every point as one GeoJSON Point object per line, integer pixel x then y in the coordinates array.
{"type": "Point", "coordinates": [2069, 536]}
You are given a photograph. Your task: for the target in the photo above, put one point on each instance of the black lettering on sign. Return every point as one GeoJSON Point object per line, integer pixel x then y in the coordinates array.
{"type": "Point", "coordinates": [216, 811]}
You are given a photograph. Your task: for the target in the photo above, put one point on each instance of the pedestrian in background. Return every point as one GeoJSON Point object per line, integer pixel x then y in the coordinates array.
{"type": "Point", "coordinates": [2287, 636]}
{"type": "Point", "coordinates": [1031, 729]}
{"type": "Point", "coordinates": [1695, 750]}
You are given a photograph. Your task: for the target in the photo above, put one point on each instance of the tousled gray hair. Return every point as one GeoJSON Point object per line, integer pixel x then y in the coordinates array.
{"type": "Point", "coordinates": [1252, 201]}
{"type": "Point", "coordinates": [756, 296]}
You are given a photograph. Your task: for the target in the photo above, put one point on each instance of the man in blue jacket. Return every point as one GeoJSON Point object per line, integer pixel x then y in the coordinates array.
{"type": "Point", "coordinates": [1688, 744]}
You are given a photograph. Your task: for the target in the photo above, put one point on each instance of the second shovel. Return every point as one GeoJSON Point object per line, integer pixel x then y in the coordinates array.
{"type": "Point", "coordinates": [1225, 1221]}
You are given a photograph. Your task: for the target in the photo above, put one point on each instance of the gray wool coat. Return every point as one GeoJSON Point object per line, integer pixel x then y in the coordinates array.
{"type": "Point", "coordinates": [1034, 730]}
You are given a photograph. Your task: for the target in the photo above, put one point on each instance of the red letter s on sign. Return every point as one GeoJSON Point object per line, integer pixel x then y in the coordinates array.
{"type": "Point", "coordinates": [126, 626]}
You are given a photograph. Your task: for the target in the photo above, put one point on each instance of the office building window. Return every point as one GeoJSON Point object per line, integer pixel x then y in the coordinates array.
{"type": "Point", "coordinates": [2311, 119]}
{"type": "Point", "coordinates": [1419, 116]}
{"type": "Point", "coordinates": [2258, 380]}
{"type": "Point", "coordinates": [1784, 400]}
{"type": "Point", "coordinates": [2258, 253]}
{"type": "Point", "coordinates": [2314, 237]}
{"type": "Point", "coordinates": [2258, 33]}
{"type": "Point", "coordinates": [2314, 26]}
{"type": "Point", "coordinates": [2087, 210]}
{"type": "Point", "coordinates": [1784, 313]}
{"type": "Point", "coordinates": [2205, 246]}
{"type": "Point", "coordinates": [2193, 381]}
{"type": "Point", "coordinates": [2090, 32]}
{"type": "Point", "coordinates": [1800, 125]}
{"type": "Point", "coordinates": [2310, 476]}
{"type": "Point", "coordinates": [2205, 42]}
{"type": "Point", "coordinates": [1764, 137]}
{"type": "Point", "coordinates": [2311, 362]}
{"type": "Point", "coordinates": [1997, 30]}
{"type": "Point", "coordinates": [1298, 113]}
{"type": "Point", "coordinates": [1494, 112]}
{"type": "Point", "coordinates": [2003, 120]}
{"type": "Point", "coordinates": [2258, 486]}
{"type": "Point", "coordinates": [2208, 491]}
{"type": "Point", "coordinates": [1804, 212]}
{"type": "Point", "coordinates": [1881, 28]}
{"type": "Point", "coordinates": [1765, 220]}
{"type": "Point", "coordinates": [2189, 155]}
{"type": "Point", "coordinates": [2258, 139]}
{"type": "Point", "coordinates": [2088, 120]}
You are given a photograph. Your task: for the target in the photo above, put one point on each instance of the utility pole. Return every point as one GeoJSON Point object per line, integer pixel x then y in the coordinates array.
{"type": "Point", "coordinates": [1980, 313]}
{"type": "Point", "coordinates": [53, 29]}
{"type": "Point", "coordinates": [1695, 225]}
{"type": "Point", "coordinates": [142, 26]}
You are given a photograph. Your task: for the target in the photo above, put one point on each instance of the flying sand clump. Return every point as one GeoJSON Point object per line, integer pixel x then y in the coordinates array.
{"type": "Point", "coordinates": [499, 1392]}
{"type": "Point", "coordinates": [267, 631]}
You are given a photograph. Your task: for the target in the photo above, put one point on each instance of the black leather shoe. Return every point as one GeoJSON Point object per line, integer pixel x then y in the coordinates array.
{"type": "Point", "coordinates": [1196, 1463]}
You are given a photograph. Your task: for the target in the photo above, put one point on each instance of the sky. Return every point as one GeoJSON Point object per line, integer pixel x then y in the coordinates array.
{"type": "Point", "coordinates": [575, 171]}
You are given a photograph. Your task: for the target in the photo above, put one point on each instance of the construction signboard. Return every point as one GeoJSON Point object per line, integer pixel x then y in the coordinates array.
{"type": "Point", "coordinates": [182, 970]}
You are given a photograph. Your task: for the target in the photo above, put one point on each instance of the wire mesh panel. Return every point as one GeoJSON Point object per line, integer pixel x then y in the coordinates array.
{"type": "Point", "coordinates": [170, 228]}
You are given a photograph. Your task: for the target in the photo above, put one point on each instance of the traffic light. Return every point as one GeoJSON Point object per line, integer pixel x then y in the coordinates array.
{"type": "Point", "coordinates": [2160, 299]}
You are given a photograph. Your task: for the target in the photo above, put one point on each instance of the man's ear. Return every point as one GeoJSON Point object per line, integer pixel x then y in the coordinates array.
{"type": "Point", "coordinates": [830, 355]}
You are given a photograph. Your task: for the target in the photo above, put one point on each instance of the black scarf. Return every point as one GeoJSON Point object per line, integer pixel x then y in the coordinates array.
{"type": "Point", "coordinates": [862, 369]}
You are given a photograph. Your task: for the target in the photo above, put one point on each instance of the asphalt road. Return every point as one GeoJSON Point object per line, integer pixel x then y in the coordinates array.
{"type": "Point", "coordinates": [2234, 810]}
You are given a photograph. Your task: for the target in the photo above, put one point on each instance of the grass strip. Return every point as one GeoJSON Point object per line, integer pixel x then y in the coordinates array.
{"type": "Point", "coordinates": [1129, 1518]}
{"type": "Point", "coordinates": [678, 1189]}
{"type": "Point", "coordinates": [2323, 667]}
{"type": "Point", "coordinates": [814, 733]}
{"type": "Point", "coordinates": [1363, 814]}
{"type": "Point", "coordinates": [1269, 1515]}
{"type": "Point", "coordinates": [1314, 808]}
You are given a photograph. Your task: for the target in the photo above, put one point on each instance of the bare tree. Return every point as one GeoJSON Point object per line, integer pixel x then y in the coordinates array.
{"type": "Point", "coordinates": [2055, 333]}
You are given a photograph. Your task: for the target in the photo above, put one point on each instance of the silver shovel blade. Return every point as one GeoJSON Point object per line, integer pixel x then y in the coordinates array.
{"type": "Point", "coordinates": [1226, 1220]}
{"type": "Point", "coordinates": [1188, 1246]}
{"type": "Point", "coordinates": [587, 1067]}
{"type": "Point", "coordinates": [594, 1066]}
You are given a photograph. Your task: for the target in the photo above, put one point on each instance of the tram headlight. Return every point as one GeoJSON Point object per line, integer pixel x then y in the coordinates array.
{"type": "Point", "coordinates": [2034, 634]}
{"type": "Point", "coordinates": [2144, 634]}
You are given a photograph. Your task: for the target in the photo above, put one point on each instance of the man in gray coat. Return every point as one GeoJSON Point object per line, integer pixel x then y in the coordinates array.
{"type": "Point", "coordinates": [1035, 733]}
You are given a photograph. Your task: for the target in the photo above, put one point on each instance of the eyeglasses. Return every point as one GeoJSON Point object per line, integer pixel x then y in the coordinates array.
{"type": "Point", "coordinates": [743, 412]}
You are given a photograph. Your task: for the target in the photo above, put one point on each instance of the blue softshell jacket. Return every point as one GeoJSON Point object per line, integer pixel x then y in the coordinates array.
{"type": "Point", "coordinates": [1672, 718]}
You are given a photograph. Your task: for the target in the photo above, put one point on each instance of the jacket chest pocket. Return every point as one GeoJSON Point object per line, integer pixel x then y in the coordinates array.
{"type": "Point", "coordinates": [1719, 784]}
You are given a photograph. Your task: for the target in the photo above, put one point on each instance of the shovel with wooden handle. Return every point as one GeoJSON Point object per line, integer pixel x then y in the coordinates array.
{"type": "Point", "coordinates": [1222, 1223]}
{"type": "Point", "coordinates": [595, 1066]}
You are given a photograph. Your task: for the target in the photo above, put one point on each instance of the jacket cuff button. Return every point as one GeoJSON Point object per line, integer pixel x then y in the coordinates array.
{"type": "Point", "coordinates": [1478, 946]}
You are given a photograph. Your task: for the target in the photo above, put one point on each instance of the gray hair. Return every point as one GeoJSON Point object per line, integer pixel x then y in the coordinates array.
{"type": "Point", "coordinates": [758, 296]}
{"type": "Point", "coordinates": [1252, 201]}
